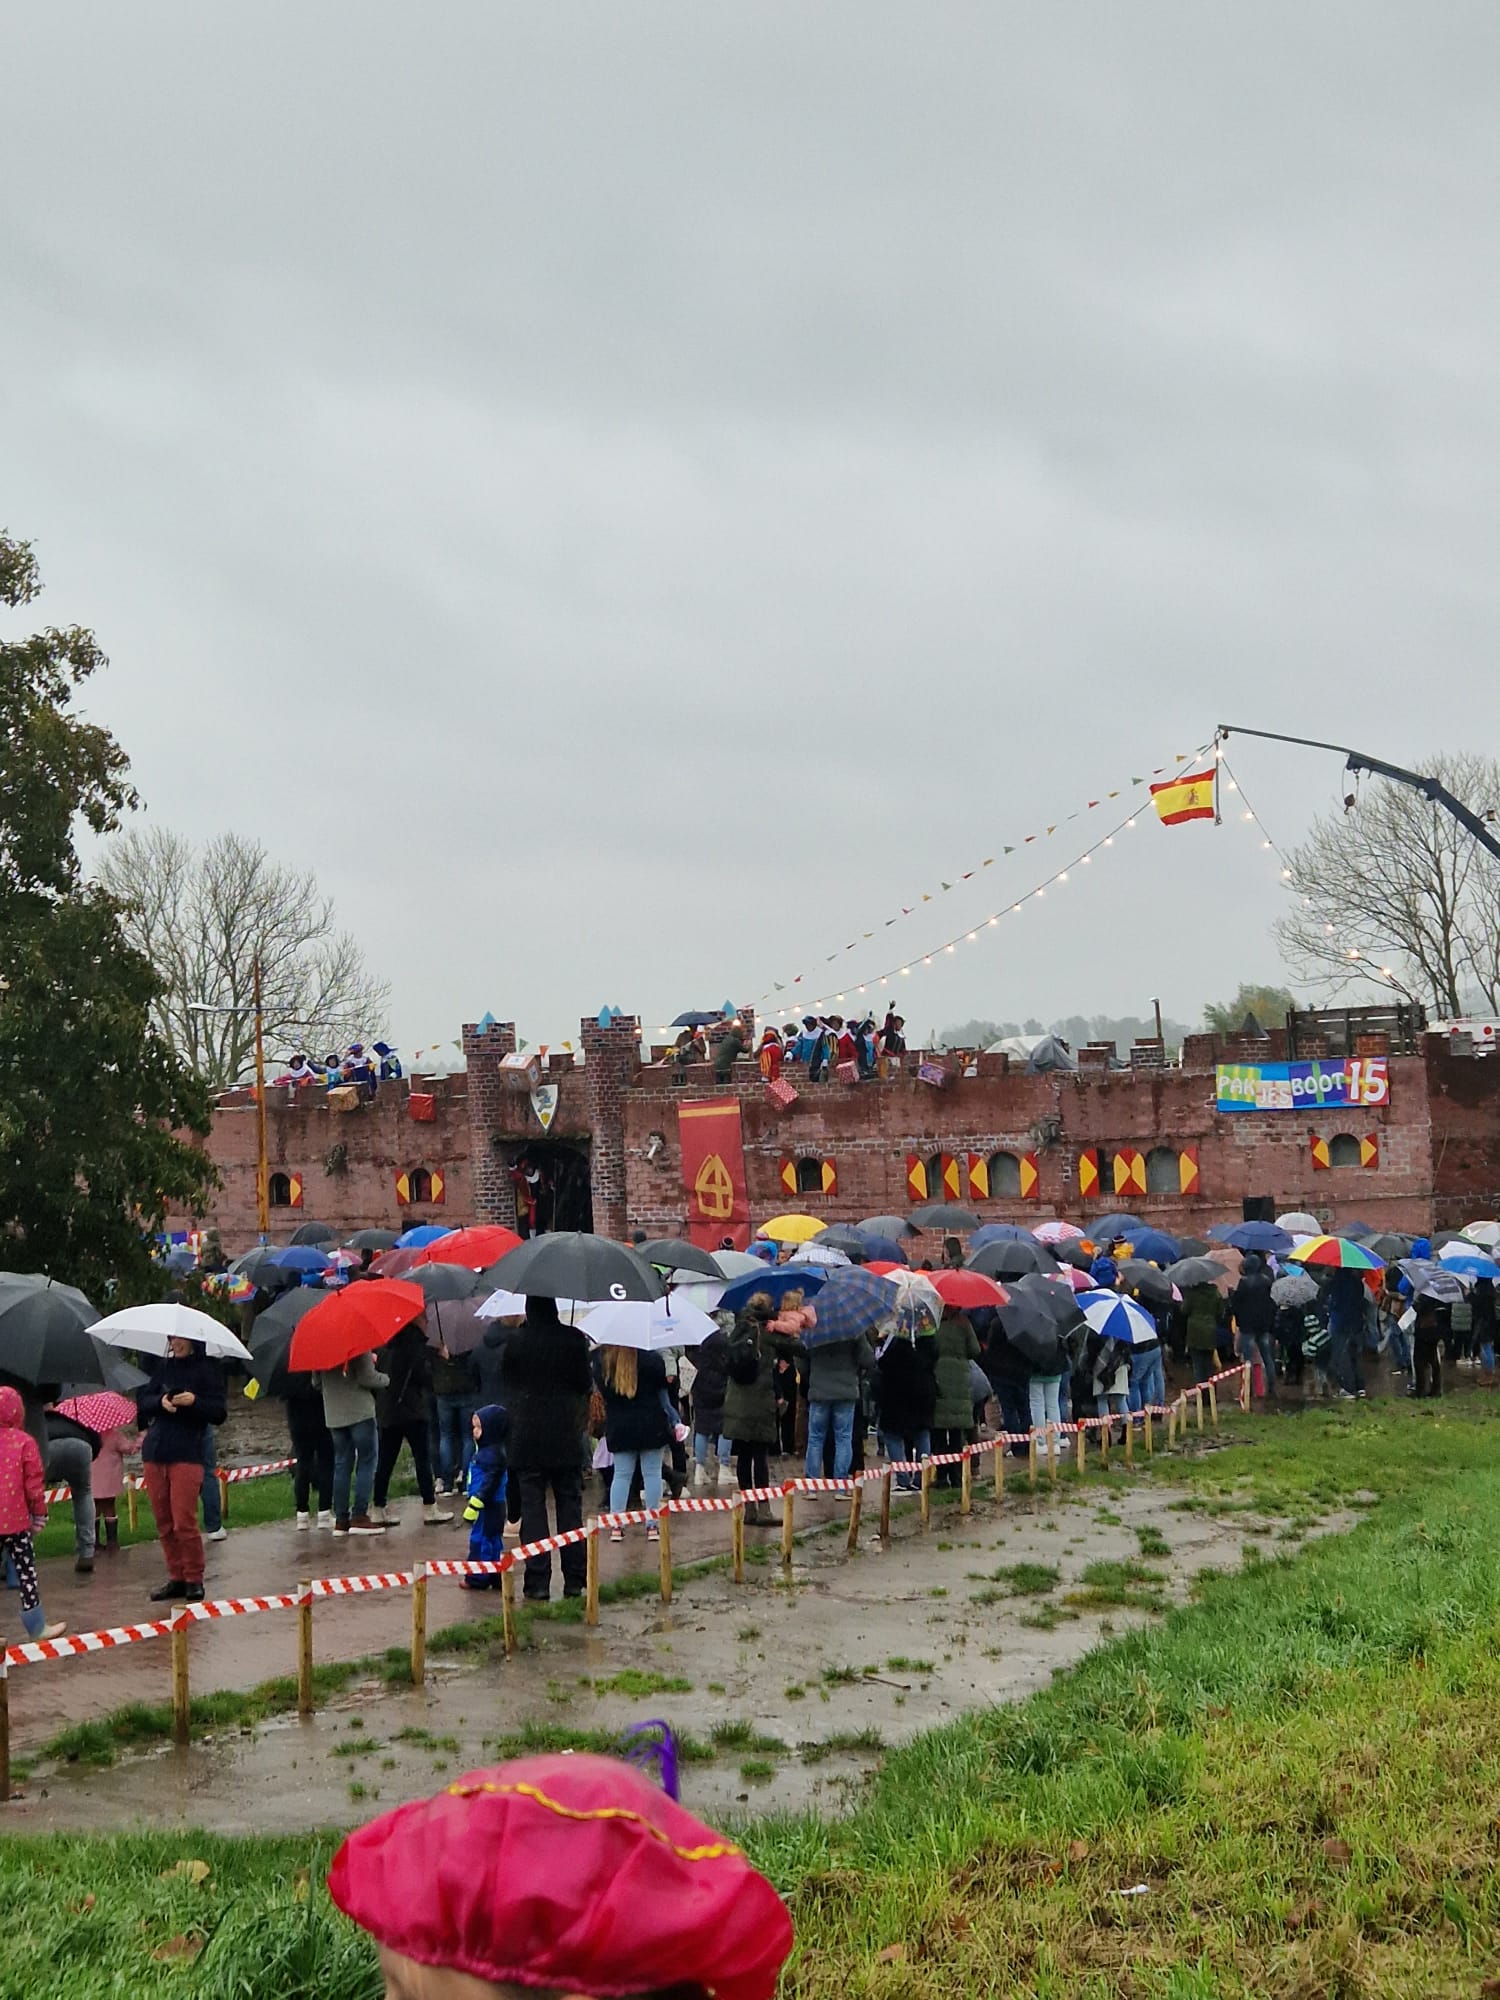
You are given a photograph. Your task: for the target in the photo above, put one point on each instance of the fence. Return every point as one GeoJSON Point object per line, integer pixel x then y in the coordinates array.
{"type": "Point", "coordinates": [310, 1591]}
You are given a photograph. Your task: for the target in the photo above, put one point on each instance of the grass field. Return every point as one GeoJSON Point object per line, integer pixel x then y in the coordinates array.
{"type": "Point", "coordinates": [1300, 1770]}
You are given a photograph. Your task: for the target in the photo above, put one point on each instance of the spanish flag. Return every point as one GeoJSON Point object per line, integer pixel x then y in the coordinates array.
{"type": "Point", "coordinates": [1189, 797]}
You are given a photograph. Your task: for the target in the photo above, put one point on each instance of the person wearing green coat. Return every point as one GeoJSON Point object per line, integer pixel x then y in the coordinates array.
{"type": "Point", "coordinates": [750, 1416]}
{"type": "Point", "coordinates": [956, 1344]}
{"type": "Point", "coordinates": [1201, 1307]}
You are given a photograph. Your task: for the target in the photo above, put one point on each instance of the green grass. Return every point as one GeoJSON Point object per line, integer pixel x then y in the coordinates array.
{"type": "Point", "coordinates": [1131, 1584]}
{"type": "Point", "coordinates": [1027, 1579]}
{"type": "Point", "coordinates": [638, 1685]}
{"type": "Point", "coordinates": [1302, 1766]}
{"type": "Point", "coordinates": [251, 1504]}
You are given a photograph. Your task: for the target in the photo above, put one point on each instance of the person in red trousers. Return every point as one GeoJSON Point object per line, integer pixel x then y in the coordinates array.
{"type": "Point", "coordinates": [184, 1395]}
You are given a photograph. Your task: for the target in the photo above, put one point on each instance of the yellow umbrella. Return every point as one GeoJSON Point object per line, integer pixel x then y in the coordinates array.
{"type": "Point", "coordinates": [791, 1228]}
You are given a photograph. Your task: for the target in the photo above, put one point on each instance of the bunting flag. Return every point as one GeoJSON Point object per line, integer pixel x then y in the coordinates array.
{"type": "Point", "coordinates": [1031, 1178]}
{"type": "Point", "coordinates": [1192, 796]}
{"type": "Point", "coordinates": [1369, 1150]}
{"type": "Point", "coordinates": [1319, 1153]}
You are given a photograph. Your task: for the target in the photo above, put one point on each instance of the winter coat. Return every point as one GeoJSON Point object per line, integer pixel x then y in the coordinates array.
{"type": "Point", "coordinates": [489, 1362]}
{"type": "Point", "coordinates": [34, 1401]}
{"type": "Point", "coordinates": [906, 1387]}
{"type": "Point", "coordinates": [709, 1384]}
{"type": "Point", "coordinates": [834, 1369]}
{"type": "Point", "coordinates": [349, 1393]}
{"type": "Point", "coordinates": [109, 1466]}
{"type": "Point", "coordinates": [750, 1407]}
{"type": "Point", "coordinates": [485, 1487]}
{"type": "Point", "coordinates": [547, 1384]}
{"type": "Point", "coordinates": [1482, 1305]}
{"type": "Point", "coordinates": [453, 1377]}
{"type": "Point", "coordinates": [406, 1362]}
{"type": "Point", "coordinates": [177, 1437]}
{"type": "Point", "coordinates": [1200, 1305]}
{"type": "Point", "coordinates": [23, 1496]}
{"type": "Point", "coordinates": [1251, 1303]}
{"type": "Point", "coordinates": [639, 1422]}
{"type": "Point", "coordinates": [955, 1345]}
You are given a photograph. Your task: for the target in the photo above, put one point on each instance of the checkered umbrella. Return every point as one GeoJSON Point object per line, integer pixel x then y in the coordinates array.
{"type": "Point", "coordinates": [852, 1302]}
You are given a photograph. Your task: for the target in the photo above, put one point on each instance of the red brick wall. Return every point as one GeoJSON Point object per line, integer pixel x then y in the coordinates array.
{"type": "Point", "coordinates": [1464, 1099]}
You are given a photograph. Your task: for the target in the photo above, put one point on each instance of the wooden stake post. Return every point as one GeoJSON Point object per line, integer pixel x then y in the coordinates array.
{"type": "Point", "coordinates": [1082, 1450]}
{"type": "Point", "coordinates": [885, 1507]}
{"type": "Point", "coordinates": [788, 1528]}
{"type": "Point", "coordinates": [591, 1577]}
{"type": "Point", "coordinates": [419, 1625]}
{"type": "Point", "coordinates": [1146, 1413]}
{"type": "Point", "coordinates": [304, 1647]}
{"type": "Point", "coordinates": [856, 1506]}
{"type": "Point", "coordinates": [132, 1513]}
{"type": "Point", "coordinates": [181, 1700]}
{"type": "Point", "coordinates": [4, 1732]}
{"type": "Point", "coordinates": [999, 1472]}
{"type": "Point", "coordinates": [1031, 1458]}
{"type": "Point", "coordinates": [664, 1526]}
{"type": "Point", "coordinates": [926, 1494]}
{"type": "Point", "coordinates": [1213, 1407]}
{"type": "Point", "coordinates": [966, 1487]}
{"type": "Point", "coordinates": [508, 1612]}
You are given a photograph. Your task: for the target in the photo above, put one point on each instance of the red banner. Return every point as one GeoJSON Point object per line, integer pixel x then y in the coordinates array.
{"type": "Point", "coordinates": [713, 1173]}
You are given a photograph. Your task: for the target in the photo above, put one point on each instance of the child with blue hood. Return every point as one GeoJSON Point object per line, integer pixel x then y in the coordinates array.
{"type": "Point", "coordinates": [484, 1508]}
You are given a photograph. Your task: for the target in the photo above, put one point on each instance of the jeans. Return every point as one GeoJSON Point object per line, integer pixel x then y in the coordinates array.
{"type": "Point", "coordinates": [626, 1463]}
{"type": "Point", "coordinates": [1487, 1356]}
{"type": "Point", "coordinates": [566, 1482]}
{"type": "Point", "coordinates": [899, 1449]}
{"type": "Point", "coordinates": [213, 1492]}
{"type": "Point", "coordinates": [1111, 1403]}
{"type": "Point", "coordinates": [1015, 1411]}
{"type": "Point", "coordinates": [173, 1493]}
{"type": "Point", "coordinates": [353, 1452]}
{"type": "Point", "coordinates": [455, 1416]}
{"type": "Point", "coordinates": [707, 1445]}
{"type": "Point", "coordinates": [71, 1459]}
{"type": "Point", "coordinates": [1345, 1358]}
{"type": "Point", "coordinates": [821, 1417]}
{"type": "Point", "coordinates": [1148, 1379]}
{"type": "Point", "coordinates": [1045, 1394]}
{"type": "Point", "coordinates": [1400, 1346]}
{"type": "Point", "coordinates": [312, 1448]}
{"type": "Point", "coordinates": [1262, 1346]}
{"type": "Point", "coordinates": [392, 1437]}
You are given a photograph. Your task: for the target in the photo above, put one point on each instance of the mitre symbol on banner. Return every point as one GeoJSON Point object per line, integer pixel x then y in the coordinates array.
{"type": "Point", "coordinates": [714, 1189]}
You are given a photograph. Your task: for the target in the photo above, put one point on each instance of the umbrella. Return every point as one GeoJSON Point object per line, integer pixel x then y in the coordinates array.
{"type": "Point", "coordinates": [1077, 1251]}
{"type": "Point", "coordinates": [475, 1249]}
{"type": "Point", "coordinates": [1442, 1236]}
{"type": "Point", "coordinates": [1033, 1334]}
{"type": "Point", "coordinates": [674, 1253]}
{"type": "Point", "coordinates": [851, 1303]}
{"type": "Point", "coordinates": [100, 1412]}
{"type": "Point", "coordinates": [999, 1232]}
{"type": "Point", "coordinates": [271, 1339]}
{"type": "Point", "coordinates": [1057, 1232]}
{"type": "Point", "coordinates": [457, 1324]}
{"type": "Point", "coordinates": [1432, 1280]}
{"type": "Point", "coordinates": [1390, 1245]}
{"type": "Point", "coordinates": [1189, 1271]}
{"type": "Point", "coordinates": [1225, 1253]}
{"type": "Point", "coordinates": [889, 1225]}
{"type": "Point", "coordinates": [1076, 1277]}
{"type": "Point", "coordinates": [1011, 1260]}
{"type": "Point", "coordinates": [791, 1229]}
{"type": "Point", "coordinates": [919, 1306]}
{"type": "Point", "coordinates": [298, 1257]}
{"type": "Point", "coordinates": [1467, 1262]}
{"type": "Point", "coordinates": [147, 1329]}
{"type": "Point", "coordinates": [1119, 1318]}
{"type": "Point", "coordinates": [1105, 1228]}
{"type": "Point", "coordinates": [1266, 1237]}
{"type": "Point", "coordinates": [1056, 1301]}
{"type": "Point", "coordinates": [512, 1305]}
{"type": "Point", "coordinates": [353, 1322]}
{"type": "Point", "coordinates": [180, 1258]}
{"type": "Point", "coordinates": [1146, 1281]}
{"type": "Point", "coordinates": [395, 1263]}
{"type": "Point", "coordinates": [314, 1233]}
{"type": "Point", "coordinates": [1486, 1234]}
{"type": "Point", "coordinates": [568, 1264]}
{"type": "Point", "coordinates": [735, 1263]}
{"type": "Point", "coordinates": [776, 1283]}
{"type": "Point", "coordinates": [423, 1233]}
{"type": "Point", "coordinates": [43, 1330]}
{"type": "Point", "coordinates": [445, 1282]}
{"type": "Point", "coordinates": [967, 1288]}
{"type": "Point", "coordinates": [1296, 1288]}
{"type": "Point", "coordinates": [697, 1020]}
{"type": "Point", "coordinates": [853, 1242]}
{"type": "Point", "coordinates": [1298, 1223]}
{"type": "Point", "coordinates": [884, 1250]}
{"type": "Point", "coordinates": [945, 1215]}
{"type": "Point", "coordinates": [1335, 1253]}
{"type": "Point", "coordinates": [1154, 1246]}
{"type": "Point", "coordinates": [1193, 1246]}
{"type": "Point", "coordinates": [371, 1239]}
{"type": "Point", "coordinates": [819, 1252]}
{"type": "Point", "coordinates": [649, 1325]}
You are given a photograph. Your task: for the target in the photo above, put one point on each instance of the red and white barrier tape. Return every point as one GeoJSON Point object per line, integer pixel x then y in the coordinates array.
{"type": "Point", "coordinates": [227, 1475]}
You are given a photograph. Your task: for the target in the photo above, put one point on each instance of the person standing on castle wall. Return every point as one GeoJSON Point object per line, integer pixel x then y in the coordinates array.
{"type": "Point", "coordinates": [731, 1048]}
{"type": "Point", "coordinates": [771, 1055]}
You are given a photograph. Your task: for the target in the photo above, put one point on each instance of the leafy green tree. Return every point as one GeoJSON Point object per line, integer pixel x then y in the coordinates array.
{"type": "Point", "coordinates": [93, 1102]}
{"type": "Point", "coordinates": [1269, 1004]}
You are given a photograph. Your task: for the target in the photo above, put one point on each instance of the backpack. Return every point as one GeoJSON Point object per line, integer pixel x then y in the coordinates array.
{"type": "Point", "coordinates": [1461, 1316]}
{"type": "Point", "coordinates": [742, 1362]}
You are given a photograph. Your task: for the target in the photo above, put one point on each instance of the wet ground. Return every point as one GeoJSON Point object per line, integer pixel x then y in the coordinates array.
{"type": "Point", "coordinates": [803, 1679]}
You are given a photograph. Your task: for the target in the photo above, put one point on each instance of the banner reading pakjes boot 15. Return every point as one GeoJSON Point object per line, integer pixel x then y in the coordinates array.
{"type": "Point", "coordinates": [713, 1172]}
{"type": "Point", "coordinates": [1332, 1084]}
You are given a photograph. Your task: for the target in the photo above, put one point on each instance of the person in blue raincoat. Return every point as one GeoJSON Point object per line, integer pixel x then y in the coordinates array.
{"type": "Point", "coordinates": [484, 1507]}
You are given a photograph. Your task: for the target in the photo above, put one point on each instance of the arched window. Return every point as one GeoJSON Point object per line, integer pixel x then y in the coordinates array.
{"type": "Point", "coordinates": [1343, 1150]}
{"type": "Point", "coordinates": [279, 1191]}
{"type": "Point", "coordinates": [1162, 1174]}
{"type": "Point", "coordinates": [421, 1185]}
{"type": "Point", "coordinates": [809, 1177]}
{"type": "Point", "coordinates": [1005, 1176]}
{"type": "Point", "coordinates": [935, 1177]}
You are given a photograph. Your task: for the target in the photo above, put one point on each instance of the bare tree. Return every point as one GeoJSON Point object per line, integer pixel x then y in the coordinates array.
{"type": "Point", "coordinates": [1399, 882]}
{"type": "Point", "coordinates": [202, 916]}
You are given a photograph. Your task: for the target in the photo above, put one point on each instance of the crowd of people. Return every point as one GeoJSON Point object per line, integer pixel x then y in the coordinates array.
{"type": "Point", "coordinates": [820, 1046]}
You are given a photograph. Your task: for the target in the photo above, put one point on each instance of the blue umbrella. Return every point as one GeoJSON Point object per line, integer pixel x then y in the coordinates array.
{"type": "Point", "coordinates": [1118, 1318]}
{"type": "Point", "coordinates": [805, 1278]}
{"type": "Point", "coordinates": [422, 1235]}
{"type": "Point", "coordinates": [1103, 1227]}
{"type": "Point", "coordinates": [884, 1250]}
{"type": "Point", "coordinates": [300, 1257]}
{"type": "Point", "coordinates": [1269, 1238]}
{"type": "Point", "coordinates": [1464, 1266]}
{"type": "Point", "coordinates": [1153, 1245]}
{"type": "Point", "coordinates": [850, 1303]}
{"type": "Point", "coordinates": [1000, 1232]}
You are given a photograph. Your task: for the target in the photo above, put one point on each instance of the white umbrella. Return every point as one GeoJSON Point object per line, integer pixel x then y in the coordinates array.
{"type": "Point", "coordinates": [1298, 1223]}
{"type": "Point", "coordinates": [820, 1253]}
{"type": "Point", "coordinates": [699, 1292]}
{"type": "Point", "coordinates": [649, 1325]}
{"type": "Point", "coordinates": [1057, 1232]}
{"type": "Point", "coordinates": [1486, 1234]}
{"type": "Point", "coordinates": [147, 1329]}
{"type": "Point", "coordinates": [512, 1305]}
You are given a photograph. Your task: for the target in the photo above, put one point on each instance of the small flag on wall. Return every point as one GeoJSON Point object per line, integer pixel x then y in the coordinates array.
{"type": "Point", "coordinates": [1191, 796]}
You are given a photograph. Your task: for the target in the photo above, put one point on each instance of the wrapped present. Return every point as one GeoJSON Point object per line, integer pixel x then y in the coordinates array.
{"type": "Point", "coordinates": [421, 1107]}
{"type": "Point", "coordinates": [847, 1072]}
{"type": "Point", "coordinates": [781, 1093]}
{"type": "Point", "coordinates": [344, 1097]}
{"type": "Point", "coordinates": [935, 1073]}
{"type": "Point", "coordinates": [521, 1071]}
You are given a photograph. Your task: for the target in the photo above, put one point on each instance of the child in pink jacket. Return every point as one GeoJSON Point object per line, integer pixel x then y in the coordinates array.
{"type": "Point", "coordinates": [23, 1508]}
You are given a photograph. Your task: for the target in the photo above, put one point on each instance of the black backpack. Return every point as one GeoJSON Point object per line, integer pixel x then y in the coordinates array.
{"type": "Point", "coordinates": [742, 1362]}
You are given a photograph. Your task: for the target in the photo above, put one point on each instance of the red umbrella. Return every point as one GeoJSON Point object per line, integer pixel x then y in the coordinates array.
{"type": "Point", "coordinates": [476, 1249]}
{"type": "Point", "coordinates": [396, 1263]}
{"type": "Point", "coordinates": [353, 1322]}
{"type": "Point", "coordinates": [101, 1412]}
{"type": "Point", "coordinates": [966, 1288]}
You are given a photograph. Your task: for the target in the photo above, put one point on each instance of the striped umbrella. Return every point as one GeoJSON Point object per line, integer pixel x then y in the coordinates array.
{"type": "Point", "coordinates": [1335, 1253]}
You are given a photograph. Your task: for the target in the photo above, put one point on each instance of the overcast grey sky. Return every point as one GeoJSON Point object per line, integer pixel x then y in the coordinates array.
{"type": "Point", "coordinates": [634, 494]}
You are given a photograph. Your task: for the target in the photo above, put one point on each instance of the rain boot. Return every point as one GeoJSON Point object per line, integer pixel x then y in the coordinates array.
{"type": "Point", "coordinates": [111, 1528]}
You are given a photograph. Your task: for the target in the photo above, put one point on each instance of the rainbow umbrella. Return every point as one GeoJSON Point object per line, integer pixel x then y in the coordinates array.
{"type": "Point", "coordinates": [1335, 1253]}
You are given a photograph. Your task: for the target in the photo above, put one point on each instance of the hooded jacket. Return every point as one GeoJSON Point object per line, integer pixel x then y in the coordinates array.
{"type": "Point", "coordinates": [955, 1345]}
{"type": "Point", "coordinates": [547, 1386]}
{"type": "Point", "coordinates": [176, 1437]}
{"type": "Point", "coordinates": [490, 1463]}
{"type": "Point", "coordinates": [1250, 1301]}
{"type": "Point", "coordinates": [750, 1407]}
{"type": "Point", "coordinates": [710, 1383]}
{"type": "Point", "coordinates": [22, 1486]}
{"type": "Point", "coordinates": [906, 1383]}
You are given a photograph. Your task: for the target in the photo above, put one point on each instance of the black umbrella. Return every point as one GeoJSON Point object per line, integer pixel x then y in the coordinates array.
{"type": "Point", "coordinates": [1389, 1244]}
{"type": "Point", "coordinates": [945, 1215]}
{"type": "Point", "coordinates": [698, 1020]}
{"type": "Point", "coordinates": [853, 1242]}
{"type": "Point", "coordinates": [1012, 1260]}
{"type": "Point", "coordinates": [1072, 1250]}
{"type": "Point", "coordinates": [315, 1234]}
{"type": "Point", "coordinates": [1189, 1271]}
{"type": "Point", "coordinates": [1058, 1302]}
{"type": "Point", "coordinates": [1105, 1228]}
{"type": "Point", "coordinates": [447, 1281]}
{"type": "Point", "coordinates": [271, 1336]}
{"type": "Point", "coordinates": [1451, 1236]}
{"type": "Point", "coordinates": [1193, 1246]}
{"type": "Point", "coordinates": [888, 1225]}
{"type": "Point", "coordinates": [44, 1331]}
{"type": "Point", "coordinates": [1033, 1335]}
{"type": "Point", "coordinates": [675, 1253]}
{"type": "Point", "coordinates": [568, 1264]}
{"type": "Point", "coordinates": [1145, 1281]}
{"type": "Point", "coordinates": [372, 1239]}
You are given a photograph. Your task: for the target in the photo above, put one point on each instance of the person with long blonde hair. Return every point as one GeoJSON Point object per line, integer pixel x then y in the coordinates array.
{"type": "Point", "coordinates": [639, 1424]}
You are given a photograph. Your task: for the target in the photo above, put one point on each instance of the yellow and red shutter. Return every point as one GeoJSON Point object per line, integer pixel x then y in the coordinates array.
{"type": "Point", "coordinates": [916, 1177]}
{"type": "Point", "coordinates": [979, 1177]}
{"type": "Point", "coordinates": [294, 1185]}
{"type": "Point", "coordinates": [786, 1173]}
{"type": "Point", "coordinates": [1129, 1171]}
{"type": "Point", "coordinates": [1031, 1178]}
{"type": "Point", "coordinates": [1369, 1150]}
{"type": "Point", "coordinates": [1088, 1172]}
{"type": "Point", "coordinates": [1187, 1169]}
{"type": "Point", "coordinates": [403, 1189]}
{"type": "Point", "coordinates": [830, 1177]}
{"type": "Point", "coordinates": [439, 1189]}
{"type": "Point", "coordinates": [953, 1181]}
{"type": "Point", "coordinates": [1319, 1151]}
